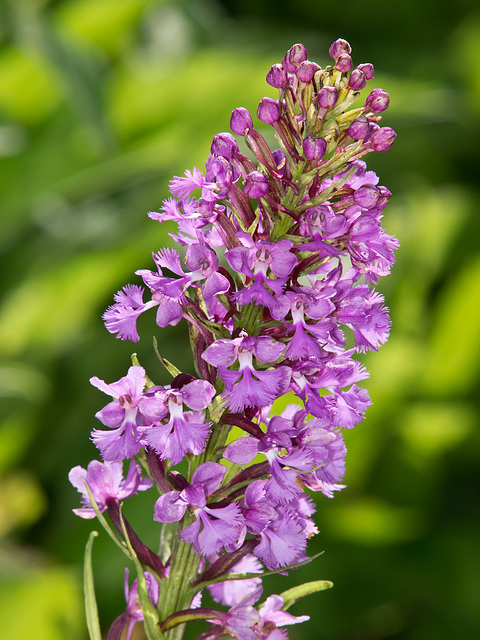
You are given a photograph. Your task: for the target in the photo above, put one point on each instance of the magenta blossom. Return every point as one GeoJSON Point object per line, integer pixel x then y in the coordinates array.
{"type": "Point", "coordinates": [122, 415]}
{"type": "Point", "coordinates": [105, 480]}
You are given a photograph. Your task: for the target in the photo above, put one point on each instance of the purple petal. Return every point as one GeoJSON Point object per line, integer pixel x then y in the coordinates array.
{"type": "Point", "coordinates": [241, 451]}
{"type": "Point", "coordinates": [169, 507]}
{"type": "Point", "coordinates": [268, 349]}
{"type": "Point", "coordinates": [198, 394]}
{"type": "Point", "coordinates": [210, 475]}
{"type": "Point", "coordinates": [222, 352]}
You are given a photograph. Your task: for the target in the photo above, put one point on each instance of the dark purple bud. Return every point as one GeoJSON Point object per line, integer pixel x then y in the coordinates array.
{"type": "Point", "coordinates": [327, 97]}
{"type": "Point", "coordinates": [314, 148]}
{"type": "Point", "coordinates": [268, 110]}
{"type": "Point", "coordinates": [224, 145]}
{"type": "Point", "coordinates": [338, 47]}
{"type": "Point", "coordinates": [366, 196]}
{"type": "Point", "coordinates": [377, 101]}
{"type": "Point", "coordinates": [256, 185]}
{"type": "Point", "coordinates": [240, 121]}
{"type": "Point", "coordinates": [343, 63]}
{"type": "Point", "coordinates": [383, 139]}
{"type": "Point", "coordinates": [357, 80]}
{"type": "Point", "coordinates": [359, 128]}
{"type": "Point", "coordinates": [305, 71]}
{"type": "Point", "coordinates": [368, 69]}
{"type": "Point", "coordinates": [277, 76]}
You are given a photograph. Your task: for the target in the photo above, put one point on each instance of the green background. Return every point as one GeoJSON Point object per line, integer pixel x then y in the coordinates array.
{"type": "Point", "coordinates": [101, 102]}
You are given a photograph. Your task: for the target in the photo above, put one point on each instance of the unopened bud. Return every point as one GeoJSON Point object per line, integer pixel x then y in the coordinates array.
{"type": "Point", "coordinates": [305, 71]}
{"type": "Point", "coordinates": [383, 139]}
{"type": "Point", "coordinates": [277, 76]}
{"type": "Point", "coordinates": [377, 101]}
{"type": "Point", "coordinates": [384, 197]}
{"type": "Point", "coordinates": [368, 70]}
{"type": "Point", "coordinates": [343, 63]}
{"type": "Point", "coordinates": [327, 97]}
{"type": "Point", "coordinates": [224, 145]}
{"type": "Point", "coordinates": [256, 185]}
{"type": "Point", "coordinates": [268, 110]}
{"type": "Point", "coordinates": [240, 121]}
{"type": "Point", "coordinates": [338, 47]}
{"type": "Point", "coordinates": [366, 196]}
{"type": "Point", "coordinates": [359, 128]}
{"type": "Point", "coordinates": [357, 80]}
{"type": "Point", "coordinates": [294, 56]}
{"type": "Point", "coordinates": [314, 148]}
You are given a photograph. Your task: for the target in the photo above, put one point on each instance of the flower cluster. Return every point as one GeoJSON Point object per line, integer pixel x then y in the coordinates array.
{"type": "Point", "coordinates": [282, 249]}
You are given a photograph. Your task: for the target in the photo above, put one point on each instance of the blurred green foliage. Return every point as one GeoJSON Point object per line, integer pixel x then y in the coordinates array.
{"type": "Point", "coordinates": [101, 102]}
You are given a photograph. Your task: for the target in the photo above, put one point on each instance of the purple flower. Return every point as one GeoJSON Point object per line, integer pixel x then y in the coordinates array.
{"type": "Point", "coordinates": [214, 527]}
{"type": "Point", "coordinates": [282, 537]}
{"type": "Point", "coordinates": [242, 621]}
{"type": "Point", "coordinates": [247, 386]}
{"type": "Point", "coordinates": [121, 317]}
{"type": "Point", "coordinates": [174, 432]}
{"type": "Point", "coordinates": [122, 416]}
{"type": "Point", "coordinates": [364, 312]}
{"type": "Point", "coordinates": [306, 302]}
{"type": "Point", "coordinates": [255, 260]}
{"type": "Point", "coordinates": [231, 592]}
{"type": "Point", "coordinates": [203, 262]}
{"type": "Point", "coordinates": [105, 480]}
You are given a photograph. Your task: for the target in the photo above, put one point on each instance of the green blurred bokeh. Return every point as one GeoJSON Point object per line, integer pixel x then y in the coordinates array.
{"type": "Point", "coordinates": [101, 102]}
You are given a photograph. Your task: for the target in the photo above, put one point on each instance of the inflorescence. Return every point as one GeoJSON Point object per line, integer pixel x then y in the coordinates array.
{"type": "Point", "coordinates": [282, 249]}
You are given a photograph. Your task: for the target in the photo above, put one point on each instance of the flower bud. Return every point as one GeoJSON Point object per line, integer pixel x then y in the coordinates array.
{"type": "Point", "coordinates": [343, 63]}
{"type": "Point", "coordinates": [314, 148]}
{"type": "Point", "coordinates": [294, 56]}
{"type": "Point", "coordinates": [372, 127]}
{"type": "Point", "coordinates": [384, 197]}
{"type": "Point", "coordinates": [224, 145]}
{"type": "Point", "coordinates": [366, 196]}
{"type": "Point", "coordinates": [368, 70]}
{"type": "Point", "coordinates": [240, 121]}
{"type": "Point", "coordinates": [383, 139]}
{"type": "Point", "coordinates": [305, 71]}
{"type": "Point", "coordinates": [256, 185]}
{"type": "Point", "coordinates": [338, 47]}
{"type": "Point", "coordinates": [268, 110]}
{"type": "Point", "coordinates": [277, 76]}
{"type": "Point", "coordinates": [359, 128]}
{"type": "Point", "coordinates": [377, 101]}
{"type": "Point", "coordinates": [357, 80]}
{"type": "Point", "coordinates": [327, 97]}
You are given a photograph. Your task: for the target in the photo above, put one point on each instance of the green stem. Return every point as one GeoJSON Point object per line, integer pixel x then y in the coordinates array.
{"type": "Point", "coordinates": [176, 592]}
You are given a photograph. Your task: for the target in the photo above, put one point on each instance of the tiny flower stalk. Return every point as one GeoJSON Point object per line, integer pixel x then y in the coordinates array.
{"type": "Point", "coordinates": [279, 249]}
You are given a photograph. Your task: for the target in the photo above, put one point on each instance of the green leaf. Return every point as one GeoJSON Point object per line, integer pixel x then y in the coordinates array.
{"type": "Point", "coordinates": [91, 609]}
{"type": "Point", "coordinates": [295, 593]}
